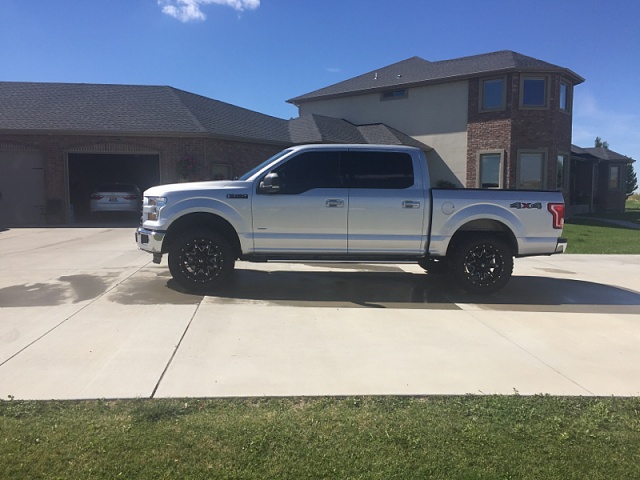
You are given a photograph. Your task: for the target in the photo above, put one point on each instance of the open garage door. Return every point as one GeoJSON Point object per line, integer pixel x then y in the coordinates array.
{"type": "Point", "coordinates": [89, 170]}
{"type": "Point", "coordinates": [21, 188]}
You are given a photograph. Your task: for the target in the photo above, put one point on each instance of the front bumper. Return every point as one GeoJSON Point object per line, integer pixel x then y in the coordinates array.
{"type": "Point", "coordinates": [150, 240]}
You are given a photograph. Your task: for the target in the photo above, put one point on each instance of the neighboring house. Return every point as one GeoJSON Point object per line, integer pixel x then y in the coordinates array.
{"type": "Point", "coordinates": [497, 120]}
{"type": "Point", "coordinates": [598, 180]}
{"type": "Point", "coordinates": [59, 141]}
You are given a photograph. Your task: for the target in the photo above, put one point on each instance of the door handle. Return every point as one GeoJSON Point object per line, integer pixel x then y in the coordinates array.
{"type": "Point", "coordinates": [410, 204]}
{"type": "Point", "coordinates": [334, 203]}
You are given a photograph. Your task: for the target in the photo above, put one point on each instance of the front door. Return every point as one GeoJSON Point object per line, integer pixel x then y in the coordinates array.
{"type": "Point", "coordinates": [308, 211]}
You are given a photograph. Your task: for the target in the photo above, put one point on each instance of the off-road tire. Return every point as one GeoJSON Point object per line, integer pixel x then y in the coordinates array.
{"type": "Point", "coordinates": [201, 260]}
{"type": "Point", "coordinates": [481, 264]}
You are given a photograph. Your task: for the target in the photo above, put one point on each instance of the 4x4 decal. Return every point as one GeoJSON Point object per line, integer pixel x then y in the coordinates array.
{"type": "Point", "coordinates": [525, 205]}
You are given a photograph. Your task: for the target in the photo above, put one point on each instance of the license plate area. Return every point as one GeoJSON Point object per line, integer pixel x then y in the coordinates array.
{"type": "Point", "coordinates": [113, 199]}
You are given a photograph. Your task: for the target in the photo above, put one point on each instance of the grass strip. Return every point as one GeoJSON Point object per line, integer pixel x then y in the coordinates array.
{"type": "Point", "coordinates": [466, 437]}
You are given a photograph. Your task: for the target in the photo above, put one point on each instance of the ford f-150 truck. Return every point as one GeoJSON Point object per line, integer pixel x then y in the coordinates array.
{"type": "Point", "coordinates": [363, 203]}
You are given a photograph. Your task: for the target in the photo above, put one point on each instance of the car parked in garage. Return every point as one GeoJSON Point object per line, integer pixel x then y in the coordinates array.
{"type": "Point", "coordinates": [116, 197]}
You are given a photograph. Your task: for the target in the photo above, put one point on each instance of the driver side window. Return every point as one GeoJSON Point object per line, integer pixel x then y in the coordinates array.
{"type": "Point", "coordinates": [309, 170]}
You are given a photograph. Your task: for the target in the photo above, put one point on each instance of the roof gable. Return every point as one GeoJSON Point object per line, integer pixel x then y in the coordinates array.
{"type": "Point", "coordinates": [416, 71]}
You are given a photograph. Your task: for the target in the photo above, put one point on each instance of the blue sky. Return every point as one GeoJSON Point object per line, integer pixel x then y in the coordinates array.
{"type": "Point", "coordinates": [258, 53]}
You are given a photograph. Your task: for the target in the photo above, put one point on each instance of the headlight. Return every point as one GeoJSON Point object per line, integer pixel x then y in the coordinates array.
{"type": "Point", "coordinates": [152, 206]}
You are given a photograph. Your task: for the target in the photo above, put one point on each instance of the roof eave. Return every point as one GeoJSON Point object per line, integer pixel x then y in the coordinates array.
{"type": "Point", "coordinates": [297, 101]}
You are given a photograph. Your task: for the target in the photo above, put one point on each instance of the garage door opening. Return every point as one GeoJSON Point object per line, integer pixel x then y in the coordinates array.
{"type": "Point", "coordinates": [87, 171]}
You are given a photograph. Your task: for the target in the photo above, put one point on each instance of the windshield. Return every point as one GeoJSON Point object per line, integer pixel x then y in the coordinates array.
{"type": "Point", "coordinates": [255, 170]}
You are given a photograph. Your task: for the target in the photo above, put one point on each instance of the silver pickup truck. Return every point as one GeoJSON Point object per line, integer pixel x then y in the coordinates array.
{"type": "Point", "coordinates": [362, 203]}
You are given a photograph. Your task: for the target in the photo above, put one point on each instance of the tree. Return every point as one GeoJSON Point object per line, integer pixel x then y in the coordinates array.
{"type": "Point", "coordinates": [600, 143]}
{"type": "Point", "coordinates": [632, 180]}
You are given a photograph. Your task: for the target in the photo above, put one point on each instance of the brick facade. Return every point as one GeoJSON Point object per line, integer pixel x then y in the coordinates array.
{"type": "Point", "coordinates": [241, 156]}
{"type": "Point", "coordinates": [514, 129]}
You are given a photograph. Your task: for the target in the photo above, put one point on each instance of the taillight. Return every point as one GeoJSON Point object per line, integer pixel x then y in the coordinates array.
{"type": "Point", "coordinates": [97, 197]}
{"type": "Point", "coordinates": [130, 197]}
{"type": "Point", "coordinates": [557, 210]}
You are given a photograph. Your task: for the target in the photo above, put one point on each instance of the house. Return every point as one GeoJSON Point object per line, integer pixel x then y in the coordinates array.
{"type": "Point", "coordinates": [497, 120]}
{"type": "Point", "coordinates": [58, 141]}
{"type": "Point", "coordinates": [598, 180]}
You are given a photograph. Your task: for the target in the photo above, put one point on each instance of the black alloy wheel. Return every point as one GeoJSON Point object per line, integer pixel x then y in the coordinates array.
{"type": "Point", "coordinates": [482, 264]}
{"type": "Point", "coordinates": [200, 260]}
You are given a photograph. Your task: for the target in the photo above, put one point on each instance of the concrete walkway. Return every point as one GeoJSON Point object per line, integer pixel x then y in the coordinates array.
{"type": "Point", "coordinates": [84, 314]}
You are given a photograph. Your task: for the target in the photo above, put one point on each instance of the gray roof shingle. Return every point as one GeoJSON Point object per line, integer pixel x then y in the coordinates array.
{"type": "Point", "coordinates": [599, 153]}
{"type": "Point", "coordinates": [132, 109]}
{"type": "Point", "coordinates": [68, 108]}
{"type": "Point", "coordinates": [415, 71]}
{"type": "Point", "coordinates": [320, 129]}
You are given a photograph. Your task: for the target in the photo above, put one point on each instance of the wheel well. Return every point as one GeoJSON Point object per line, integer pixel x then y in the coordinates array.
{"type": "Point", "coordinates": [202, 220]}
{"type": "Point", "coordinates": [485, 226]}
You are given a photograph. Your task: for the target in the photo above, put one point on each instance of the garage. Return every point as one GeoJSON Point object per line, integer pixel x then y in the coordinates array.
{"type": "Point", "coordinates": [89, 170]}
{"type": "Point", "coordinates": [21, 188]}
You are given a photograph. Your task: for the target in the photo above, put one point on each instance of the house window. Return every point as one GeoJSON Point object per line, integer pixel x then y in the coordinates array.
{"type": "Point", "coordinates": [493, 94]}
{"type": "Point", "coordinates": [561, 165]}
{"type": "Point", "coordinates": [614, 177]}
{"type": "Point", "coordinates": [490, 167]}
{"type": "Point", "coordinates": [220, 172]}
{"type": "Point", "coordinates": [565, 103]}
{"type": "Point", "coordinates": [530, 171]}
{"type": "Point", "coordinates": [394, 94]}
{"type": "Point", "coordinates": [534, 92]}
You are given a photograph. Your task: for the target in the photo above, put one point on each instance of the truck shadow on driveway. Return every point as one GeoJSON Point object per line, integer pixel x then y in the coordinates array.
{"type": "Point", "coordinates": [394, 288]}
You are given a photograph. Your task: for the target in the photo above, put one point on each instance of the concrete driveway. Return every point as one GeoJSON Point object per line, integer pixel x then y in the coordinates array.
{"type": "Point", "coordinates": [84, 314]}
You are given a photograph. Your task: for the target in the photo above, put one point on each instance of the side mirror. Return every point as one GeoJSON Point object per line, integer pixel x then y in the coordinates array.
{"type": "Point", "coordinates": [270, 183]}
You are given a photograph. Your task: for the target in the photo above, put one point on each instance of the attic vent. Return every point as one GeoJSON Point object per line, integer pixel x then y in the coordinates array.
{"type": "Point", "coordinates": [394, 94]}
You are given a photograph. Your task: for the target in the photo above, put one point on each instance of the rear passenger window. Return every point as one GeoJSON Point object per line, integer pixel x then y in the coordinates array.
{"type": "Point", "coordinates": [384, 170]}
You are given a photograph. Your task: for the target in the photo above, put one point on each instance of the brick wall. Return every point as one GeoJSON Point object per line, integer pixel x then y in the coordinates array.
{"type": "Point", "coordinates": [514, 129]}
{"type": "Point", "coordinates": [242, 156]}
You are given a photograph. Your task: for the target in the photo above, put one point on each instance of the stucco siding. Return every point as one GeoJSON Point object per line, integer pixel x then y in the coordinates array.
{"type": "Point", "coordinates": [435, 115]}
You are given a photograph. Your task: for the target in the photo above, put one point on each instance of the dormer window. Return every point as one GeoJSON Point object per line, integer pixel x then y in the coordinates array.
{"type": "Point", "coordinates": [394, 94]}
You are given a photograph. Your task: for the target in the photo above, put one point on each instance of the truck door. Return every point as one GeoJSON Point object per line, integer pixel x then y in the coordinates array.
{"type": "Point", "coordinates": [302, 206]}
{"type": "Point", "coordinates": [386, 204]}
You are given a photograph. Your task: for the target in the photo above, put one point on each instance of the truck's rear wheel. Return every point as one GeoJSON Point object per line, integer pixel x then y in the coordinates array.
{"type": "Point", "coordinates": [481, 263]}
{"type": "Point", "coordinates": [200, 260]}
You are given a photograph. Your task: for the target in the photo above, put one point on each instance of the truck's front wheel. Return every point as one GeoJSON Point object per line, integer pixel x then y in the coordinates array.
{"type": "Point", "coordinates": [200, 260]}
{"type": "Point", "coordinates": [482, 263]}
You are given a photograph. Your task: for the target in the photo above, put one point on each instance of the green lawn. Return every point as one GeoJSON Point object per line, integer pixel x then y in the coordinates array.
{"type": "Point", "coordinates": [589, 234]}
{"type": "Point", "coordinates": [468, 437]}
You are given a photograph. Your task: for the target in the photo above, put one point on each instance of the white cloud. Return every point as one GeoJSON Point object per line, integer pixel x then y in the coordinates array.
{"type": "Point", "coordinates": [189, 10]}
